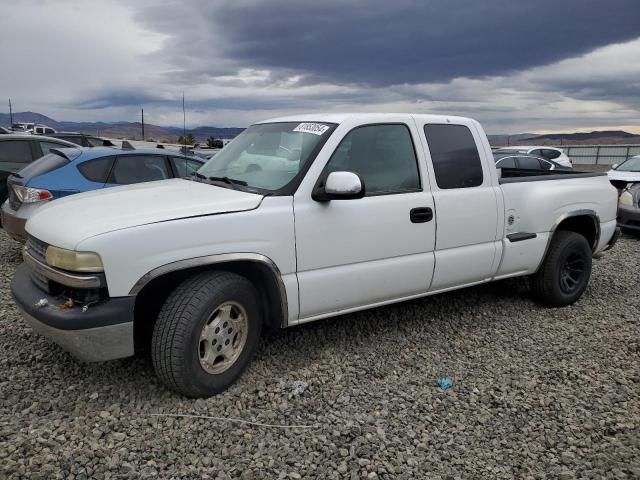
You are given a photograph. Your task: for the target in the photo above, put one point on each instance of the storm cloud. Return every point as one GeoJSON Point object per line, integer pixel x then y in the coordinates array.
{"type": "Point", "coordinates": [374, 42]}
{"type": "Point", "coordinates": [514, 65]}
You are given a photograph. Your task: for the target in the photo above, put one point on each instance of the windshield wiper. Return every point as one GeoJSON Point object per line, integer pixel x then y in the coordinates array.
{"type": "Point", "coordinates": [229, 181]}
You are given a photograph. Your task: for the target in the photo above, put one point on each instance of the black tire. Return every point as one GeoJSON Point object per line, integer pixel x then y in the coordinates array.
{"type": "Point", "coordinates": [176, 345]}
{"type": "Point", "coordinates": [565, 271]}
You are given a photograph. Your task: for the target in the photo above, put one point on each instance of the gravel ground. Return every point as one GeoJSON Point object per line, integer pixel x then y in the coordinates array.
{"type": "Point", "coordinates": [537, 393]}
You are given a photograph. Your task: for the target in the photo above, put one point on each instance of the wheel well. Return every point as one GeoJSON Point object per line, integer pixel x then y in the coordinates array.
{"type": "Point", "coordinates": [585, 225]}
{"type": "Point", "coordinates": [150, 299]}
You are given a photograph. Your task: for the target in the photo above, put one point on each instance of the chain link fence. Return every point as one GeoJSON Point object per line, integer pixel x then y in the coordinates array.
{"type": "Point", "coordinates": [599, 154]}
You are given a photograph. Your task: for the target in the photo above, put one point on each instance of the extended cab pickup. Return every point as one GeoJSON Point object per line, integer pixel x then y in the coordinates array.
{"type": "Point", "coordinates": [298, 219]}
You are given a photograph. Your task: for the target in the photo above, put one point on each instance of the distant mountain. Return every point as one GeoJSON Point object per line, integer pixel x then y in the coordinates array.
{"type": "Point", "coordinates": [501, 138]}
{"type": "Point", "coordinates": [133, 130]}
{"type": "Point", "coordinates": [603, 137]}
{"type": "Point", "coordinates": [585, 135]}
{"type": "Point", "coordinates": [130, 130]}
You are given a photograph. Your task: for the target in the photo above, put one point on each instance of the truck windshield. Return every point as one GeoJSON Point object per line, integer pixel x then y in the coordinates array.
{"type": "Point", "coordinates": [267, 156]}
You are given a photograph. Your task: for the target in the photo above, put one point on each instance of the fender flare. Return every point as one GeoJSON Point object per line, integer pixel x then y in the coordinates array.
{"type": "Point", "coordinates": [209, 260]}
{"type": "Point", "coordinates": [575, 213]}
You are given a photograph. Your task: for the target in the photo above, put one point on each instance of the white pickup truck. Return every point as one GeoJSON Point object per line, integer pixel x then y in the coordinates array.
{"type": "Point", "coordinates": [299, 219]}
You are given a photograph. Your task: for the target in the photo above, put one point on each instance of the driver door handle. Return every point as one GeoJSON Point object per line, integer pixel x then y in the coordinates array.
{"type": "Point", "coordinates": [421, 214]}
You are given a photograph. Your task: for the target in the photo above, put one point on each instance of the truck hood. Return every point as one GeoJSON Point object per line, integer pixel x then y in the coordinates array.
{"type": "Point", "coordinates": [67, 221]}
{"type": "Point", "coordinates": [624, 176]}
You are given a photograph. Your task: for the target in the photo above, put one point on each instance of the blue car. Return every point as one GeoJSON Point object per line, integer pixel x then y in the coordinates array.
{"type": "Point", "coordinates": [66, 171]}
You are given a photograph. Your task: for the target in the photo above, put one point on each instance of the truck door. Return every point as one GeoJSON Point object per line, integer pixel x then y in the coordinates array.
{"type": "Point", "coordinates": [371, 250]}
{"type": "Point", "coordinates": [466, 203]}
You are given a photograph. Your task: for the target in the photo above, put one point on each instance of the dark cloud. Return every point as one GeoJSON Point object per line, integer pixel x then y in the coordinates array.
{"type": "Point", "coordinates": [117, 98]}
{"type": "Point", "coordinates": [382, 42]}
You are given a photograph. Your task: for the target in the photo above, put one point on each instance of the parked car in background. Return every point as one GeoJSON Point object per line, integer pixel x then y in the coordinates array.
{"type": "Point", "coordinates": [524, 161]}
{"type": "Point", "coordinates": [548, 153]}
{"type": "Point", "coordinates": [16, 151]}
{"type": "Point", "coordinates": [67, 171]}
{"type": "Point", "coordinates": [43, 130]}
{"type": "Point", "coordinates": [621, 175]}
{"type": "Point", "coordinates": [22, 126]}
{"type": "Point", "coordinates": [206, 152]}
{"type": "Point", "coordinates": [299, 219]}
{"type": "Point", "coordinates": [83, 139]}
{"type": "Point", "coordinates": [629, 208]}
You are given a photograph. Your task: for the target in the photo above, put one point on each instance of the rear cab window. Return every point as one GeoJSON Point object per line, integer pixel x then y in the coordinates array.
{"type": "Point", "coordinates": [455, 157]}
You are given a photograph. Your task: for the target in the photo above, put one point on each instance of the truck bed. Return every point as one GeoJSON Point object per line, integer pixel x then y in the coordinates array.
{"type": "Point", "coordinates": [515, 175]}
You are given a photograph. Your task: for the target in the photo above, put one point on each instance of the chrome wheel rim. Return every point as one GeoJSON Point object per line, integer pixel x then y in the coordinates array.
{"type": "Point", "coordinates": [223, 337]}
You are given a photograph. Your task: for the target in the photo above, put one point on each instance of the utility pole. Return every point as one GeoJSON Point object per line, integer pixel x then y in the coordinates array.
{"type": "Point", "coordinates": [10, 114]}
{"type": "Point", "coordinates": [184, 121]}
{"type": "Point", "coordinates": [143, 123]}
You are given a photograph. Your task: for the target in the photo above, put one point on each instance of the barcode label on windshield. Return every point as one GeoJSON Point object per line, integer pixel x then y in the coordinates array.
{"type": "Point", "coordinates": [314, 128]}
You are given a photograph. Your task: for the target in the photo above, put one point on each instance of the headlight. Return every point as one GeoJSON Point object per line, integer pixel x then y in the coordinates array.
{"type": "Point", "coordinates": [74, 261]}
{"type": "Point", "coordinates": [626, 198]}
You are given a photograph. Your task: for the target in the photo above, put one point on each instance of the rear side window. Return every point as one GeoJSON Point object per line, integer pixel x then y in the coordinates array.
{"type": "Point", "coordinates": [95, 142]}
{"type": "Point", "coordinates": [529, 163]}
{"type": "Point", "coordinates": [550, 154]}
{"type": "Point", "coordinates": [139, 168]}
{"type": "Point", "coordinates": [507, 162]}
{"type": "Point", "coordinates": [73, 139]}
{"type": "Point", "coordinates": [455, 157]}
{"type": "Point", "coordinates": [46, 164]}
{"type": "Point", "coordinates": [96, 170]}
{"type": "Point", "coordinates": [46, 146]}
{"type": "Point", "coordinates": [185, 166]}
{"type": "Point", "coordinates": [15, 151]}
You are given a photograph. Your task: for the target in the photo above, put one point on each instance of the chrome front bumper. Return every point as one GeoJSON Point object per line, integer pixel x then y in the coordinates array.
{"type": "Point", "coordinates": [89, 344]}
{"type": "Point", "coordinates": [101, 331]}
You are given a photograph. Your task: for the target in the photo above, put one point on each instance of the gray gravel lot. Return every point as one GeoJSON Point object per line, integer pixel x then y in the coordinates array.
{"type": "Point", "coordinates": [537, 393]}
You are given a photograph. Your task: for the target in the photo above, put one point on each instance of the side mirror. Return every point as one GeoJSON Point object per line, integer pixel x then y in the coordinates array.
{"type": "Point", "coordinates": [615, 165]}
{"type": "Point", "coordinates": [339, 186]}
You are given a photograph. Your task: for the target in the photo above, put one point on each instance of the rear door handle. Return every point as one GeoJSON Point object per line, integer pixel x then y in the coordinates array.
{"type": "Point", "coordinates": [421, 214]}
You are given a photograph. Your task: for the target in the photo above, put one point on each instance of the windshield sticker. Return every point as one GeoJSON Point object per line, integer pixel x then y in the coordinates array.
{"type": "Point", "coordinates": [314, 128]}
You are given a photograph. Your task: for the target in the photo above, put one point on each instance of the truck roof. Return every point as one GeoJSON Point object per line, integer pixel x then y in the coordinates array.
{"type": "Point", "coordinates": [362, 116]}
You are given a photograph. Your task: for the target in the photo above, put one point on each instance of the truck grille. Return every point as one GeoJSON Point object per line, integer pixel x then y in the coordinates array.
{"type": "Point", "coordinates": [38, 250]}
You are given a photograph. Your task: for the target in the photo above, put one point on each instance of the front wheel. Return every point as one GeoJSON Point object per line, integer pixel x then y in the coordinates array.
{"type": "Point", "coordinates": [206, 333]}
{"type": "Point", "coordinates": [565, 271]}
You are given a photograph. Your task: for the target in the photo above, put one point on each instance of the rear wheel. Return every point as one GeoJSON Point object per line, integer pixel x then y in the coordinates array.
{"type": "Point", "coordinates": [565, 271]}
{"type": "Point", "coordinates": [206, 334]}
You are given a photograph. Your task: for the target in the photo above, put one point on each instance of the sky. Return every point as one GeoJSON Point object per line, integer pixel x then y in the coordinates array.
{"type": "Point", "coordinates": [516, 66]}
